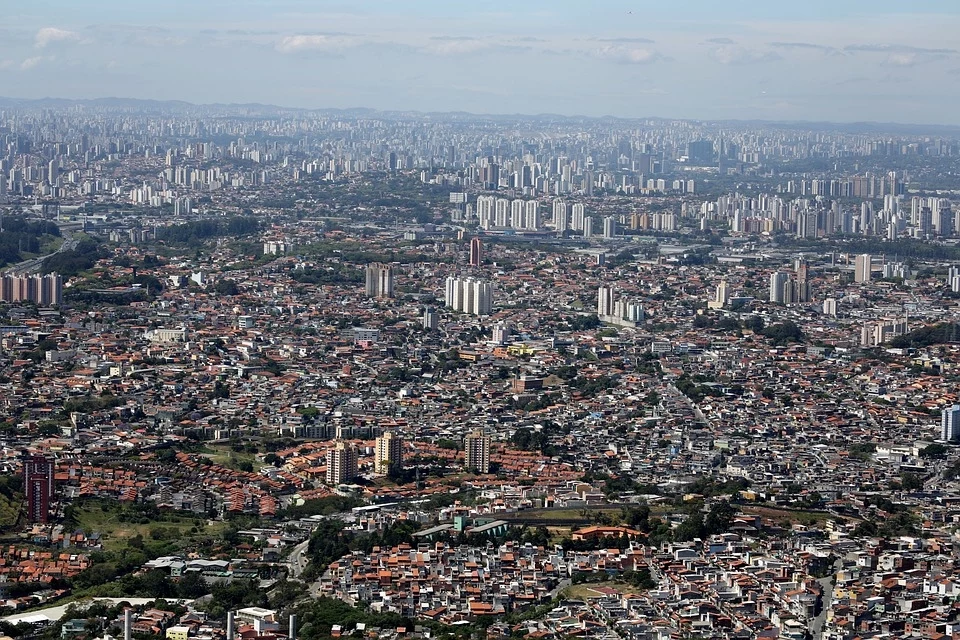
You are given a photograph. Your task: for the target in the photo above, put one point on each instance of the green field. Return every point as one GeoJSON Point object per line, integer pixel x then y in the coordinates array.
{"type": "Point", "coordinates": [227, 457]}
{"type": "Point", "coordinates": [116, 531]}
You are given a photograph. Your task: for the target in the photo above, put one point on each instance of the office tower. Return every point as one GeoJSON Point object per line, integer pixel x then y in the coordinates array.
{"type": "Point", "coordinates": [476, 252]}
{"type": "Point", "coordinates": [777, 281]}
{"type": "Point", "coordinates": [577, 215]}
{"type": "Point", "coordinates": [862, 267]}
{"type": "Point", "coordinates": [430, 320]}
{"type": "Point", "coordinates": [469, 295]}
{"type": "Point", "coordinates": [559, 215]}
{"type": "Point", "coordinates": [389, 453]}
{"type": "Point", "coordinates": [379, 280]}
{"type": "Point", "coordinates": [700, 152]}
{"type": "Point", "coordinates": [950, 424]}
{"type": "Point", "coordinates": [341, 463]}
{"type": "Point", "coordinates": [531, 215]}
{"type": "Point", "coordinates": [609, 227]}
{"type": "Point", "coordinates": [38, 486]}
{"type": "Point", "coordinates": [477, 449]}
{"type": "Point", "coordinates": [605, 302]}
{"type": "Point", "coordinates": [866, 218]}
{"type": "Point", "coordinates": [925, 222]}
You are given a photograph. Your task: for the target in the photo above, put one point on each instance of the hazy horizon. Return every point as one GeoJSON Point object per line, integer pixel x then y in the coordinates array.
{"type": "Point", "coordinates": [742, 60]}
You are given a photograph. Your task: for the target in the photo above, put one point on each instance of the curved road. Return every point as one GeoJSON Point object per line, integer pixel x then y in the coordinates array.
{"type": "Point", "coordinates": [31, 265]}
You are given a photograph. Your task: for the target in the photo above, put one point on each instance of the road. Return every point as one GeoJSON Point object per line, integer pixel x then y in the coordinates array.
{"type": "Point", "coordinates": [816, 627]}
{"type": "Point", "coordinates": [563, 584]}
{"type": "Point", "coordinates": [297, 560]}
{"type": "Point", "coordinates": [33, 264]}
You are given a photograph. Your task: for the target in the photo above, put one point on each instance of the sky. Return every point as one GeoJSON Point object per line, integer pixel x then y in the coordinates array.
{"type": "Point", "coordinates": [840, 61]}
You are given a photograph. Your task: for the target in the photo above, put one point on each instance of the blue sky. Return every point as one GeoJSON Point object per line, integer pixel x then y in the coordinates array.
{"type": "Point", "coordinates": [845, 60]}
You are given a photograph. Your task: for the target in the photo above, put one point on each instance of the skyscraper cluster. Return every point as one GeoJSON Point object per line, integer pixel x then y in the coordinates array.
{"type": "Point", "coordinates": [618, 311]}
{"type": "Point", "coordinates": [783, 290]}
{"type": "Point", "coordinates": [502, 213]}
{"type": "Point", "coordinates": [571, 217]}
{"type": "Point", "coordinates": [469, 295]}
{"type": "Point", "coordinates": [43, 290]}
{"type": "Point", "coordinates": [379, 280]}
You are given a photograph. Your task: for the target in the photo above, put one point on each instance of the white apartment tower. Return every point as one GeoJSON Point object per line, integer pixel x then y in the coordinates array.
{"type": "Point", "coordinates": [341, 463]}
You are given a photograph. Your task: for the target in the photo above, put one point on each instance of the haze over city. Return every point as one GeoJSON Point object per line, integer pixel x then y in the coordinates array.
{"type": "Point", "coordinates": [361, 321]}
{"type": "Point", "coordinates": [832, 61]}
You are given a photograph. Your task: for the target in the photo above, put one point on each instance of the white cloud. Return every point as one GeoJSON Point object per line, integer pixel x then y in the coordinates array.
{"type": "Point", "coordinates": [629, 55]}
{"type": "Point", "coordinates": [35, 61]}
{"type": "Point", "coordinates": [319, 42]}
{"type": "Point", "coordinates": [730, 54]}
{"type": "Point", "coordinates": [51, 35]}
{"type": "Point", "coordinates": [456, 46]}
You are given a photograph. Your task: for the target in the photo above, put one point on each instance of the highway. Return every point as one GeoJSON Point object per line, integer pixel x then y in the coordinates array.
{"type": "Point", "coordinates": [33, 264]}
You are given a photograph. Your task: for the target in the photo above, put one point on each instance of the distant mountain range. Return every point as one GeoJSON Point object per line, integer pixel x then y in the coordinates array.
{"type": "Point", "coordinates": [258, 109]}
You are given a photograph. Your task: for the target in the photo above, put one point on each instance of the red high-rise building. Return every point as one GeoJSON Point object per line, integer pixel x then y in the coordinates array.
{"type": "Point", "coordinates": [38, 485]}
{"type": "Point", "coordinates": [476, 252]}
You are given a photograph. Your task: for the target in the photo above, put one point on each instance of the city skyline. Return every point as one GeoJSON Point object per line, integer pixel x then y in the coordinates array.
{"type": "Point", "coordinates": [858, 62]}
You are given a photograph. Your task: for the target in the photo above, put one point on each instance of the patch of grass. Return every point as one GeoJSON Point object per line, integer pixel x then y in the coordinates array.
{"type": "Point", "coordinates": [117, 530]}
{"type": "Point", "coordinates": [584, 591]}
{"type": "Point", "coordinates": [794, 516]}
{"type": "Point", "coordinates": [227, 457]}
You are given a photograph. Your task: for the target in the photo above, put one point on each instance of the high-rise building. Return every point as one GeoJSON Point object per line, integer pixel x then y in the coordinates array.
{"type": "Point", "coordinates": [476, 252]}
{"type": "Point", "coordinates": [531, 215]}
{"type": "Point", "coordinates": [777, 281]}
{"type": "Point", "coordinates": [501, 213]}
{"type": "Point", "coordinates": [609, 227]}
{"type": "Point", "coordinates": [862, 268]}
{"type": "Point", "coordinates": [430, 320]}
{"type": "Point", "coordinates": [577, 215]}
{"type": "Point", "coordinates": [43, 290]}
{"type": "Point", "coordinates": [559, 215]}
{"type": "Point", "coordinates": [588, 227]}
{"type": "Point", "coordinates": [485, 205]}
{"type": "Point", "coordinates": [477, 450]}
{"type": "Point", "coordinates": [723, 293]}
{"type": "Point", "coordinates": [950, 424]}
{"type": "Point", "coordinates": [341, 463]}
{"type": "Point", "coordinates": [605, 301]}
{"type": "Point", "coordinates": [469, 295]}
{"type": "Point", "coordinates": [379, 280]}
{"type": "Point", "coordinates": [38, 486]}
{"type": "Point", "coordinates": [389, 453]}
{"type": "Point", "coordinates": [803, 281]}
{"type": "Point", "coordinates": [517, 214]}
